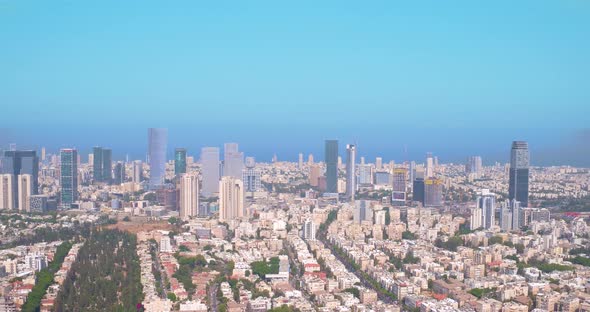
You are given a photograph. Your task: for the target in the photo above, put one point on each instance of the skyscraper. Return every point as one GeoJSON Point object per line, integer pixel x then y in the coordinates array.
{"type": "Point", "coordinates": [233, 161]}
{"type": "Point", "coordinates": [210, 171]}
{"type": "Point", "coordinates": [398, 194]}
{"type": "Point", "coordinates": [68, 179]}
{"type": "Point", "coordinates": [365, 175]}
{"type": "Point", "coordinates": [378, 163]}
{"type": "Point", "coordinates": [433, 193]}
{"type": "Point", "coordinates": [25, 190]}
{"type": "Point", "coordinates": [510, 216]}
{"type": "Point", "coordinates": [251, 176]}
{"type": "Point", "coordinates": [418, 190]}
{"type": "Point", "coordinates": [309, 230]}
{"type": "Point", "coordinates": [350, 171]}
{"type": "Point", "coordinates": [179, 161]}
{"type": "Point", "coordinates": [331, 159]}
{"type": "Point", "coordinates": [137, 171]}
{"type": "Point", "coordinates": [102, 165]}
{"type": "Point", "coordinates": [315, 171]}
{"type": "Point", "coordinates": [6, 193]}
{"type": "Point", "coordinates": [429, 171]}
{"type": "Point", "coordinates": [231, 199]}
{"type": "Point", "coordinates": [518, 188]}
{"type": "Point", "coordinates": [474, 166]}
{"type": "Point", "coordinates": [157, 146]}
{"type": "Point", "coordinates": [486, 201]}
{"type": "Point", "coordinates": [189, 196]}
{"type": "Point", "coordinates": [300, 163]}
{"type": "Point", "coordinates": [16, 163]}
{"type": "Point", "coordinates": [119, 173]}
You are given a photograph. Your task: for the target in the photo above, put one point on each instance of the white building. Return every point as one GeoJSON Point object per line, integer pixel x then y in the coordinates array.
{"type": "Point", "coordinates": [189, 196]}
{"type": "Point", "coordinates": [231, 198]}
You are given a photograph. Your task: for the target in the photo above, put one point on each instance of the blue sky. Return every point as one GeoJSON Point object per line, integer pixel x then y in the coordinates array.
{"type": "Point", "coordinates": [452, 77]}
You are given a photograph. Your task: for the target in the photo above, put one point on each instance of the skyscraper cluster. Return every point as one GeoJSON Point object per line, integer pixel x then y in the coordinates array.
{"type": "Point", "coordinates": [19, 179]}
{"type": "Point", "coordinates": [483, 215]}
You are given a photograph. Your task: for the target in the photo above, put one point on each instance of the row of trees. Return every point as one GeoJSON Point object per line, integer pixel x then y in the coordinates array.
{"type": "Point", "coordinates": [105, 277]}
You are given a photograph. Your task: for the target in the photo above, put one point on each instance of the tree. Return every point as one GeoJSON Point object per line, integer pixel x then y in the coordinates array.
{"type": "Point", "coordinates": [171, 296]}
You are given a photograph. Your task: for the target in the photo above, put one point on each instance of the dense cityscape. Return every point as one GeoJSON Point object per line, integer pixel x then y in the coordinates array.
{"type": "Point", "coordinates": [215, 230]}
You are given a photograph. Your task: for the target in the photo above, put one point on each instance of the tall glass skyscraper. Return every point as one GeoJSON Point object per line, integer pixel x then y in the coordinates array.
{"type": "Point", "coordinates": [102, 165]}
{"type": "Point", "coordinates": [179, 161]}
{"type": "Point", "coordinates": [331, 159]}
{"type": "Point", "coordinates": [157, 146]}
{"type": "Point", "coordinates": [210, 171]}
{"type": "Point", "coordinates": [350, 171]}
{"type": "Point", "coordinates": [68, 179]}
{"type": "Point", "coordinates": [21, 162]}
{"type": "Point", "coordinates": [518, 188]}
{"type": "Point", "coordinates": [233, 161]}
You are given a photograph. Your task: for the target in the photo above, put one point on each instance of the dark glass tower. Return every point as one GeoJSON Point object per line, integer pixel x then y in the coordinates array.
{"type": "Point", "coordinates": [518, 188]}
{"type": "Point", "coordinates": [102, 165]}
{"type": "Point", "coordinates": [331, 158]}
{"type": "Point", "coordinates": [119, 173]}
{"type": "Point", "coordinates": [68, 178]}
{"type": "Point", "coordinates": [21, 162]}
{"type": "Point", "coordinates": [418, 190]}
{"type": "Point", "coordinates": [179, 161]}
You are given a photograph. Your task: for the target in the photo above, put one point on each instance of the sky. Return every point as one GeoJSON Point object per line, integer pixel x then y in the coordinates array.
{"type": "Point", "coordinates": [399, 79]}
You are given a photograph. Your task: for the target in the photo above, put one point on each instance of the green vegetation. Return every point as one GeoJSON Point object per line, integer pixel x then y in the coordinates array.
{"type": "Point", "coordinates": [481, 292]}
{"type": "Point", "coordinates": [44, 278]}
{"type": "Point", "coordinates": [581, 260]}
{"type": "Point", "coordinates": [105, 277]}
{"type": "Point", "coordinates": [187, 266]}
{"type": "Point", "coordinates": [408, 235]}
{"type": "Point", "coordinates": [495, 240]}
{"type": "Point", "coordinates": [577, 251]}
{"type": "Point", "coordinates": [47, 234]}
{"type": "Point", "coordinates": [171, 296]}
{"type": "Point", "coordinates": [353, 290]}
{"type": "Point", "coordinates": [261, 268]}
{"type": "Point", "coordinates": [451, 244]}
{"type": "Point", "coordinates": [284, 308]}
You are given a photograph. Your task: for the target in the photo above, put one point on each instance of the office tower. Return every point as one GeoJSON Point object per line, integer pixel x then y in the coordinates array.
{"type": "Point", "coordinates": [365, 175]}
{"type": "Point", "coordinates": [210, 171]}
{"type": "Point", "coordinates": [25, 189]}
{"type": "Point", "coordinates": [308, 230]}
{"type": "Point", "coordinates": [474, 166]}
{"type": "Point", "coordinates": [412, 171]}
{"type": "Point", "coordinates": [382, 178]}
{"type": "Point", "coordinates": [137, 171]}
{"type": "Point", "coordinates": [350, 171]}
{"type": "Point", "coordinates": [378, 163]}
{"type": "Point", "coordinates": [510, 216]}
{"type": "Point", "coordinates": [429, 171]}
{"type": "Point", "coordinates": [231, 199]}
{"type": "Point", "coordinates": [119, 173]}
{"type": "Point", "coordinates": [251, 176]}
{"type": "Point", "coordinates": [179, 161]}
{"type": "Point", "coordinates": [486, 201]}
{"type": "Point", "coordinates": [315, 172]}
{"type": "Point", "coordinates": [362, 160]}
{"type": "Point", "coordinates": [300, 163]}
{"type": "Point", "coordinates": [398, 194]}
{"type": "Point", "coordinates": [6, 193]}
{"type": "Point", "coordinates": [43, 154]}
{"type": "Point", "coordinates": [310, 159]}
{"type": "Point", "coordinates": [418, 190]}
{"type": "Point", "coordinates": [91, 158]}
{"type": "Point", "coordinates": [331, 159]}
{"type": "Point", "coordinates": [102, 165]}
{"type": "Point", "coordinates": [433, 193]}
{"type": "Point", "coordinates": [518, 188]}
{"type": "Point", "coordinates": [68, 179]}
{"type": "Point", "coordinates": [17, 163]}
{"type": "Point", "coordinates": [189, 196]}
{"type": "Point", "coordinates": [362, 211]}
{"type": "Point", "coordinates": [233, 161]}
{"type": "Point", "coordinates": [157, 146]}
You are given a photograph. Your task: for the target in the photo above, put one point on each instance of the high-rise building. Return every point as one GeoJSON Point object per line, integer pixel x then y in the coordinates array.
{"type": "Point", "coordinates": [418, 190]}
{"type": "Point", "coordinates": [382, 178]}
{"type": "Point", "coordinates": [510, 216]}
{"type": "Point", "coordinates": [310, 159]}
{"type": "Point", "coordinates": [378, 163]}
{"type": "Point", "coordinates": [43, 154]}
{"type": "Point", "coordinates": [231, 199]}
{"type": "Point", "coordinates": [119, 173]}
{"type": "Point", "coordinates": [179, 161]}
{"type": "Point", "coordinates": [518, 188]}
{"type": "Point", "coordinates": [331, 159]}
{"type": "Point", "coordinates": [300, 163]}
{"type": "Point", "coordinates": [350, 171]}
{"type": "Point", "coordinates": [251, 176]}
{"type": "Point", "coordinates": [189, 196]}
{"type": "Point", "coordinates": [412, 172]}
{"type": "Point", "coordinates": [210, 171]}
{"type": "Point", "coordinates": [102, 165]}
{"type": "Point", "coordinates": [315, 172]}
{"type": "Point", "coordinates": [362, 211]}
{"type": "Point", "coordinates": [486, 201]}
{"type": "Point", "coordinates": [6, 193]}
{"type": "Point", "coordinates": [25, 190]}
{"type": "Point", "coordinates": [68, 179]}
{"type": "Point", "coordinates": [474, 166]}
{"type": "Point", "coordinates": [309, 230]}
{"type": "Point", "coordinates": [475, 219]}
{"type": "Point", "coordinates": [433, 193]}
{"type": "Point", "coordinates": [157, 146]}
{"type": "Point", "coordinates": [233, 161]}
{"type": "Point", "coordinates": [398, 194]}
{"type": "Point", "coordinates": [17, 163]}
{"type": "Point", "coordinates": [365, 175]}
{"type": "Point", "coordinates": [137, 171]}
{"type": "Point", "coordinates": [429, 171]}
